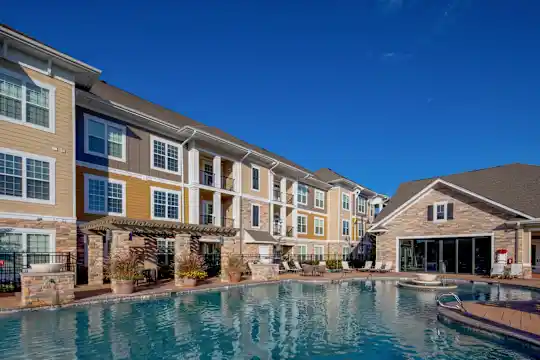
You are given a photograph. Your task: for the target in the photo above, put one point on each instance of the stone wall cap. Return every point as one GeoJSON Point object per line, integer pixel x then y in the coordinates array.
{"type": "Point", "coordinates": [64, 273]}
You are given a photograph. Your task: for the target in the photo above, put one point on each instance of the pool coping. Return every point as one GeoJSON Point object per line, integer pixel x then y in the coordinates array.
{"type": "Point", "coordinates": [113, 299]}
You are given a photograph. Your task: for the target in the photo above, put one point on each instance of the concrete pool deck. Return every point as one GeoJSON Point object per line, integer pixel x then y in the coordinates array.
{"type": "Point", "coordinates": [519, 315]}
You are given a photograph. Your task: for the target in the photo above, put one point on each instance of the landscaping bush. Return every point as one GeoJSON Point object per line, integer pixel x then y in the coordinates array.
{"type": "Point", "coordinates": [333, 264]}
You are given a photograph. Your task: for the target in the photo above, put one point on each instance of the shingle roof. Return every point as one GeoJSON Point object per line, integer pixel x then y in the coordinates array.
{"type": "Point", "coordinates": [327, 174]}
{"type": "Point", "coordinates": [514, 185]}
{"type": "Point", "coordinates": [112, 93]}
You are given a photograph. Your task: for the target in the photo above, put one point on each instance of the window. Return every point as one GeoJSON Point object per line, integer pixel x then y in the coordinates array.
{"type": "Point", "coordinates": [26, 177]}
{"type": "Point", "coordinates": [302, 251]}
{"type": "Point", "coordinates": [319, 199]}
{"type": "Point", "coordinates": [319, 226]}
{"type": "Point", "coordinates": [255, 178]}
{"type": "Point", "coordinates": [440, 211]}
{"type": "Point", "coordinates": [255, 215]}
{"type": "Point", "coordinates": [164, 155]}
{"type": "Point", "coordinates": [26, 101]}
{"type": "Point", "coordinates": [345, 201]}
{"type": "Point", "coordinates": [165, 204]}
{"type": "Point", "coordinates": [361, 204]}
{"type": "Point", "coordinates": [36, 244]}
{"type": "Point", "coordinates": [302, 194]}
{"type": "Point", "coordinates": [165, 252]}
{"type": "Point", "coordinates": [345, 227]}
{"type": "Point", "coordinates": [319, 252]}
{"type": "Point", "coordinates": [346, 252]}
{"type": "Point", "coordinates": [104, 138]}
{"type": "Point", "coordinates": [104, 196]}
{"type": "Point", "coordinates": [301, 226]}
{"type": "Point", "coordinates": [360, 226]}
{"type": "Point", "coordinates": [376, 209]}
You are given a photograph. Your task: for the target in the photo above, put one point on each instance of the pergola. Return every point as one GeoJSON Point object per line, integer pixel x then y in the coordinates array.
{"type": "Point", "coordinates": [127, 233]}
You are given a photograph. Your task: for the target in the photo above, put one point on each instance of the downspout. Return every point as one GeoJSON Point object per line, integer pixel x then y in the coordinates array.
{"type": "Point", "coordinates": [241, 203]}
{"type": "Point", "coordinates": [182, 171]}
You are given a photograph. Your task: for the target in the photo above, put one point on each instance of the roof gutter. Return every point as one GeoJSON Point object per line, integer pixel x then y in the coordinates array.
{"type": "Point", "coordinates": [524, 222]}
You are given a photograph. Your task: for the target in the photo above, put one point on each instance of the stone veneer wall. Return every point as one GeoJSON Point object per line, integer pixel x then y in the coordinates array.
{"type": "Point", "coordinates": [471, 216]}
{"type": "Point", "coordinates": [264, 218]}
{"type": "Point", "coordinates": [38, 289]}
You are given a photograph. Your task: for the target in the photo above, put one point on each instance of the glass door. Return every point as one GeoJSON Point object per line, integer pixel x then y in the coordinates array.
{"type": "Point", "coordinates": [412, 255]}
{"type": "Point", "coordinates": [465, 256]}
{"type": "Point", "coordinates": [432, 255]}
{"type": "Point", "coordinates": [482, 255]}
{"type": "Point", "coordinates": [449, 255]}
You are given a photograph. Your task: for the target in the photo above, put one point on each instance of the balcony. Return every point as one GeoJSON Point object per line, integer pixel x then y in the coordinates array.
{"type": "Point", "coordinates": [206, 219]}
{"type": "Point", "coordinates": [227, 222]}
{"type": "Point", "coordinates": [227, 183]}
{"type": "Point", "coordinates": [277, 230]}
{"type": "Point", "coordinates": [277, 195]}
{"type": "Point", "coordinates": [211, 220]}
{"type": "Point", "coordinates": [289, 231]}
{"type": "Point", "coordinates": [207, 178]}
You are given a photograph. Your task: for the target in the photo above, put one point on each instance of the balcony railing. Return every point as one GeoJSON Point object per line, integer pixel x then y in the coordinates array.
{"type": "Point", "coordinates": [289, 199]}
{"type": "Point", "coordinates": [206, 219]}
{"type": "Point", "coordinates": [277, 229]}
{"type": "Point", "coordinates": [277, 195]}
{"type": "Point", "coordinates": [227, 222]}
{"type": "Point", "coordinates": [207, 178]}
{"type": "Point", "coordinates": [227, 183]}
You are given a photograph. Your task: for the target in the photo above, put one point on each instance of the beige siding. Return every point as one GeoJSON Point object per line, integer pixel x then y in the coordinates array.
{"type": "Point", "coordinates": [39, 142]}
{"type": "Point", "coordinates": [334, 222]}
{"type": "Point", "coordinates": [246, 181]}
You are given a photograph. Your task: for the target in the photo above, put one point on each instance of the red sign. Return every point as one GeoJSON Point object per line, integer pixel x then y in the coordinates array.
{"type": "Point", "coordinates": [1, 263]}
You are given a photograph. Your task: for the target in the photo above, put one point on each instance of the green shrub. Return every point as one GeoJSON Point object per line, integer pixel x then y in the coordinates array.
{"type": "Point", "coordinates": [333, 264]}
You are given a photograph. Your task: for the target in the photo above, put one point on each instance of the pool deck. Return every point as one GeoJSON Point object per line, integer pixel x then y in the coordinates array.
{"type": "Point", "coordinates": [521, 315]}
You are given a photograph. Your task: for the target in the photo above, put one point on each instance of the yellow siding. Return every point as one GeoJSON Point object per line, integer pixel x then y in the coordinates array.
{"type": "Point", "coordinates": [186, 205]}
{"type": "Point", "coordinates": [311, 227]}
{"type": "Point", "coordinates": [138, 196]}
{"type": "Point", "coordinates": [24, 138]}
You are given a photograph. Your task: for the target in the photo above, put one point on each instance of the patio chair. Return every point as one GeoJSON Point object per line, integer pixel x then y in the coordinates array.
{"type": "Point", "coordinates": [378, 266]}
{"type": "Point", "coordinates": [288, 268]}
{"type": "Point", "coordinates": [387, 267]}
{"type": "Point", "coordinates": [297, 265]}
{"type": "Point", "coordinates": [497, 271]}
{"type": "Point", "coordinates": [345, 266]}
{"type": "Point", "coordinates": [367, 266]}
{"type": "Point", "coordinates": [516, 270]}
{"type": "Point", "coordinates": [307, 269]}
{"type": "Point", "coordinates": [320, 269]}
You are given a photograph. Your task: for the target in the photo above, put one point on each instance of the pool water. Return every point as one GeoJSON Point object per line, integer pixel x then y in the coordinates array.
{"type": "Point", "coordinates": [352, 320]}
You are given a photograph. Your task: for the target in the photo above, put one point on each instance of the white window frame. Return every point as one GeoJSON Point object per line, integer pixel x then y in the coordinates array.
{"type": "Point", "coordinates": [304, 255]}
{"type": "Point", "coordinates": [445, 211]}
{"type": "Point", "coordinates": [317, 193]}
{"type": "Point", "coordinates": [321, 247]}
{"type": "Point", "coordinates": [348, 227]}
{"type": "Point", "coordinates": [321, 225]}
{"type": "Point", "coordinates": [259, 216]}
{"type": "Point", "coordinates": [52, 177]}
{"type": "Point", "coordinates": [166, 142]}
{"type": "Point", "coordinates": [360, 200]}
{"type": "Point", "coordinates": [153, 189]}
{"type": "Point", "coordinates": [29, 231]}
{"type": "Point", "coordinates": [344, 253]}
{"type": "Point", "coordinates": [298, 223]}
{"type": "Point", "coordinates": [299, 194]}
{"type": "Point", "coordinates": [259, 176]}
{"type": "Point", "coordinates": [24, 79]}
{"type": "Point", "coordinates": [87, 210]}
{"type": "Point", "coordinates": [360, 228]}
{"type": "Point", "coordinates": [348, 196]}
{"type": "Point", "coordinates": [106, 123]}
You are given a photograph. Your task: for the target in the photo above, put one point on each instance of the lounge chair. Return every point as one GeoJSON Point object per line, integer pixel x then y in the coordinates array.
{"type": "Point", "coordinates": [387, 267]}
{"type": "Point", "coordinates": [367, 266]}
{"type": "Point", "coordinates": [497, 271]}
{"type": "Point", "coordinates": [378, 266]}
{"type": "Point", "coordinates": [297, 266]}
{"type": "Point", "coordinates": [288, 268]}
{"type": "Point", "coordinates": [345, 266]}
{"type": "Point", "coordinates": [516, 270]}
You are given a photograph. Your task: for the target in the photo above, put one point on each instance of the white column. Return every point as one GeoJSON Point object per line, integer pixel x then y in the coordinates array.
{"type": "Point", "coordinates": [237, 174]}
{"type": "Point", "coordinates": [295, 193]}
{"type": "Point", "coordinates": [283, 189]}
{"type": "Point", "coordinates": [216, 167]}
{"type": "Point", "coordinates": [295, 221]}
{"type": "Point", "coordinates": [271, 185]}
{"type": "Point", "coordinates": [194, 200]}
{"type": "Point", "coordinates": [236, 211]}
{"type": "Point", "coordinates": [217, 208]}
{"type": "Point", "coordinates": [271, 219]}
{"type": "Point", "coordinates": [193, 165]}
{"type": "Point", "coordinates": [283, 218]}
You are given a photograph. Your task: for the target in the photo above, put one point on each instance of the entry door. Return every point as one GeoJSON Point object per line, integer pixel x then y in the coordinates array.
{"type": "Point", "coordinates": [207, 212]}
{"type": "Point", "coordinates": [208, 174]}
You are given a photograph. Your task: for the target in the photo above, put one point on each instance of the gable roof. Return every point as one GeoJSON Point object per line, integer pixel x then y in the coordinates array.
{"type": "Point", "coordinates": [516, 186]}
{"type": "Point", "coordinates": [329, 175]}
{"type": "Point", "coordinates": [114, 94]}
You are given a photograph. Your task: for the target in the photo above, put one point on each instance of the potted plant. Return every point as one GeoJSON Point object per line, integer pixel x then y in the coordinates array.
{"type": "Point", "coordinates": [123, 269]}
{"type": "Point", "coordinates": [191, 269]}
{"type": "Point", "coordinates": [235, 268]}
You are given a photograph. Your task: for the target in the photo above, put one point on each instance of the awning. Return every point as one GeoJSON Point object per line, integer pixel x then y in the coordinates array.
{"type": "Point", "coordinates": [153, 227]}
{"type": "Point", "coordinates": [259, 237]}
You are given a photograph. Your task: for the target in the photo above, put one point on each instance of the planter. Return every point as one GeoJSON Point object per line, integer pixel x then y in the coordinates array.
{"type": "Point", "coordinates": [190, 282]}
{"type": "Point", "coordinates": [122, 287]}
{"type": "Point", "coordinates": [235, 277]}
{"type": "Point", "coordinates": [45, 268]}
{"type": "Point", "coordinates": [502, 258]}
{"type": "Point", "coordinates": [426, 277]}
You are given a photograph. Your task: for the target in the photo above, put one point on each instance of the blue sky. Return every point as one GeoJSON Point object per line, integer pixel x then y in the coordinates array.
{"type": "Point", "coordinates": [382, 91]}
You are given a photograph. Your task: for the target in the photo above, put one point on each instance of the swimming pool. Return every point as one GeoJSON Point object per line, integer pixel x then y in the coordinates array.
{"type": "Point", "coordinates": [351, 320]}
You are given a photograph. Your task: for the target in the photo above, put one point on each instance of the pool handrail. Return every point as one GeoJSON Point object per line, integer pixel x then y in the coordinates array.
{"type": "Point", "coordinates": [459, 305]}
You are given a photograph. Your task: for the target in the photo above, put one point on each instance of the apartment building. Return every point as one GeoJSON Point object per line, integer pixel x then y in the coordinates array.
{"type": "Point", "coordinates": [37, 158]}
{"type": "Point", "coordinates": [76, 150]}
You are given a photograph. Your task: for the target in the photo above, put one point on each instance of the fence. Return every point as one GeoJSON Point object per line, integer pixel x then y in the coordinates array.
{"type": "Point", "coordinates": [13, 263]}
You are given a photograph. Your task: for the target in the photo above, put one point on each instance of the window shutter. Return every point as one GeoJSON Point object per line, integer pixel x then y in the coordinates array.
{"type": "Point", "coordinates": [450, 211]}
{"type": "Point", "coordinates": [430, 213]}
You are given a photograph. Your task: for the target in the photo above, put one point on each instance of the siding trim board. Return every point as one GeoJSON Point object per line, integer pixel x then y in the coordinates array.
{"type": "Point", "coordinates": [25, 216]}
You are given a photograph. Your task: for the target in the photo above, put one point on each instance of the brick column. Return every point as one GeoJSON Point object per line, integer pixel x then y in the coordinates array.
{"type": "Point", "coordinates": [121, 243]}
{"type": "Point", "coordinates": [182, 244]}
{"type": "Point", "coordinates": [95, 260]}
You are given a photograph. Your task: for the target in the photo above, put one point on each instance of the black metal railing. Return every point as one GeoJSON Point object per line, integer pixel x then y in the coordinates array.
{"type": "Point", "coordinates": [13, 263]}
{"type": "Point", "coordinates": [207, 178]}
{"type": "Point", "coordinates": [227, 183]}
{"type": "Point", "coordinates": [206, 219]}
{"type": "Point", "coordinates": [335, 259]}
{"type": "Point", "coordinates": [277, 229]}
{"type": "Point", "coordinates": [277, 195]}
{"type": "Point", "coordinates": [227, 222]}
{"type": "Point", "coordinates": [212, 263]}
{"type": "Point", "coordinates": [289, 199]}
